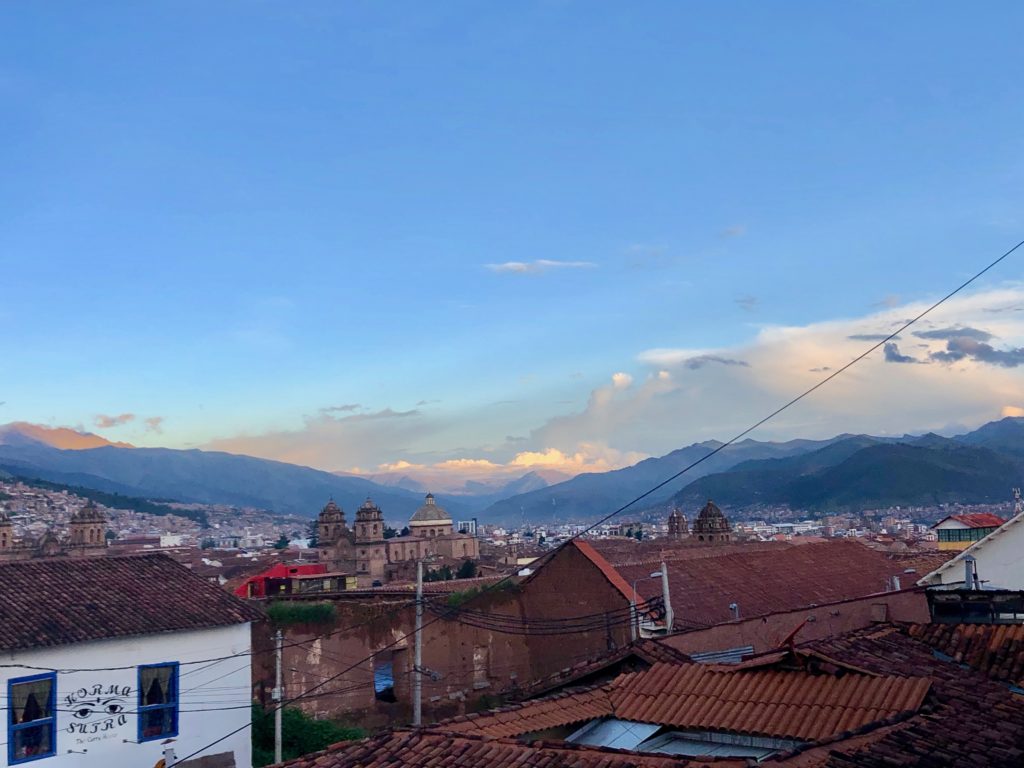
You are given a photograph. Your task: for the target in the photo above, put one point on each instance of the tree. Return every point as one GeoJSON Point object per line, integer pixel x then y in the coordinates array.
{"type": "Point", "coordinates": [110, 535]}
{"type": "Point", "coordinates": [389, 532]}
{"type": "Point", "coordinates": [281, 543]}
{"type": "Point", "coordinates": [208, 544]}
{"type": "Point", "coordinates": [639, 535]}
{"type": "Point", "coordinates": [405, 531]}
{"type": "Point", "coordinates": [444, 573]}
{"type": "Point", "coordinates": [300, 734]}
{"type": "Point", "coordinates": [467, 570]}
{"type": "Point", "coordinates": [313, 534]}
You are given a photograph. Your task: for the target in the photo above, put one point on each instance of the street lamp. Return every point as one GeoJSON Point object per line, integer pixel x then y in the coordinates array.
{"type": "Point", "coordinates": [634, 615]}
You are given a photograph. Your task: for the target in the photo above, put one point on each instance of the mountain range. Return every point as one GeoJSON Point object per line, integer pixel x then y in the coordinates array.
{"type": "Point", "coordinates": [843, 472]}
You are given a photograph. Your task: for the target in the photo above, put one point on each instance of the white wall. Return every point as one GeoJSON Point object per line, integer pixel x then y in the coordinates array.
{"type": "Point", "coordinates": [1000, 563]}
{"type": "Point", "coordinates": [109, 741]}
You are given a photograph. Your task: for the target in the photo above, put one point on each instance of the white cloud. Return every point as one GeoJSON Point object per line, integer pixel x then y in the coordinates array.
{"type": "Point", "coordinates": [680, 395]}
{"type": "Point", "coordinates": [538, 266]}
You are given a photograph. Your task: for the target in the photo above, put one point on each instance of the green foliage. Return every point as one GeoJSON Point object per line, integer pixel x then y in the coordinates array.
{"type": "Point", "coordinates": [463, 596]}
{"type": "Point", "coordinates": [110, 535]}
{"type": "Point", "coordinates": [467, 570]}
{"type": "Point", "coordinates": [485, 702]}
{"type": "Point", "coordinates": [313, 534]}
{"type": "Point", "coordinates": [282, 543]}
{"type": "Point", "coordinates": [405, 531]}
{"type": "Point", "coordinates": [300, 734]}
{"type": "Point", "coordinates": [444, 573]}
{"type": "Point", "coordinates": [208, 544]}
{"type": "Point", "coordinates": [389, 532]}
{"type": "Point", "coordinates": [285, 613]}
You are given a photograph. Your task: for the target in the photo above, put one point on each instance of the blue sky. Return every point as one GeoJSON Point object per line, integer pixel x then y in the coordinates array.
{"type": "Point", "coordinates": [463, 218]}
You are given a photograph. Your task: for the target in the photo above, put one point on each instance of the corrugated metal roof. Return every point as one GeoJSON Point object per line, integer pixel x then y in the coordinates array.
{"type": "Point", "coordinates": [728, 656]}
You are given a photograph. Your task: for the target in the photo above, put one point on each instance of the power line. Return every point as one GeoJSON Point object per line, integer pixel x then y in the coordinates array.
{"type": "Point", "coordinates": [662, 484]}
{"type": "Point", "coordinates": [211, 661]}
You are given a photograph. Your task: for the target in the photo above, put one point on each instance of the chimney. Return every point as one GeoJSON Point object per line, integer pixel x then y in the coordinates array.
{"type": "Point", "coordinates": [971, 573]}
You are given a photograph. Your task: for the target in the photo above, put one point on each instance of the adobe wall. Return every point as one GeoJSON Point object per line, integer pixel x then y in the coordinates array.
{"type": "Point", "coordinates": [473, 666]}
{"type": "Point", "coordinates": [765, 633]}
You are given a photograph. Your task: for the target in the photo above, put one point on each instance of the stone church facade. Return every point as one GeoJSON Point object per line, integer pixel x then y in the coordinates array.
{"type": "Point", "coordinates": [87, 536]}
{"type": "Point", "coordinates": [363, 550]}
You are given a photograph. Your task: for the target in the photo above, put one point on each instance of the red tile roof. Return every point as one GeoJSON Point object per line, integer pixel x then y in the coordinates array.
{"type": "Point", "coordinates": [773, 703]}
{"type": "Point", "coordinates": [567, 708]}
{"type": "Point", "coordinates": [968, 719]}
{"type": "Point", "coordinates": [73, 600]}
{"type": "Point", "coordinates": [975, 520]}
{"type": "Point", "coordinates": [431, 749]}
{"type": "Point", "coordinates": [996, 650]}
{"type": "Point", "coordinates": [793, 705]}
{"type": "Point", "coordinates": [642, 653]}
{"type": "Point", "coordinates": [763, 582]}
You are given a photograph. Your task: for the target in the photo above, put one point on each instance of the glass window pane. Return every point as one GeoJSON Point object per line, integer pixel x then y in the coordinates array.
{"type": "Point", "coordinates": [30, 701]}
{"type": "Point", "coordinates": [158, 722]}
{"type": "Point", "coordinates": [155, 685]}
{"type": "Point", "coordinates": [32, 742]}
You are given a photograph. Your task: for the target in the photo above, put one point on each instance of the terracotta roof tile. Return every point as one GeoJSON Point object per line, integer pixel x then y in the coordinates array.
{"type": "Point", "coordinates": [996, 650]}
{"type": "Point", "coordinates": [967, 720]}
{"type": "Point", "coordinates": [763, 582]}
{"type": "Point", "coordinates": [573, 706]}
{"type": "Point", "coordinates": [427, 749]}
{"type": "Point", "coordinates": [775, 703]}
{"type": "Point", "coordinates": [975, 520]}
{"type": "Point", "coordinates": [72, 600]}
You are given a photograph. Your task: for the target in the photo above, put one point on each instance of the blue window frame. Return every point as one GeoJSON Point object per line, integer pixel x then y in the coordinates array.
{"type": "Point", "coordinates": [158, 701]}
{"type": "Point", "coordinates": [31, 718]}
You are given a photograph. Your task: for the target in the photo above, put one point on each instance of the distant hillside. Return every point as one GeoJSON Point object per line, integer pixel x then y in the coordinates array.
{"type": "Point", "coordinates": [205, 477]}
{"type": "Point", "coordinates": [22, 433]}
{"type": "Point", "coordinates": [112, 500]}
{"type": "Point", "coordinates": [861, 473]}
{"type": "Point", "coordinates": [586, 496]}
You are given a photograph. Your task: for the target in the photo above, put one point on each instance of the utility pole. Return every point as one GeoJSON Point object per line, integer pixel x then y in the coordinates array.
{"type": "Point", "coordinates": [278, 696]}
{"type": "Point", "coordinates": [417, 663]}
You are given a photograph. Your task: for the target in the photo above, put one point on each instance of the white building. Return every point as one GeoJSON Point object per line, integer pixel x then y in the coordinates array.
{"type": "Point", "coordinates": [111, 662]}
{"type": "Point", "coordinates": [997, 561]}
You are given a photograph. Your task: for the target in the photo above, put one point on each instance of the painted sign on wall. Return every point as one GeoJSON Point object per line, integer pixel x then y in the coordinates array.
{"type": "Point", "coordinates": [98, 711]}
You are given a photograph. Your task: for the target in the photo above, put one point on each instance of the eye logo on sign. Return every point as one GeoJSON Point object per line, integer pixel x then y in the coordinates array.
{"type": "Point", "coordinates": [98, 709]}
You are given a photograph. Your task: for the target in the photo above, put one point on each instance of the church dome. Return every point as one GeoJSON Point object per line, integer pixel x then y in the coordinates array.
{"type": "Point", "coordinates": [711, 520]}
{"type": "Point", "coordinates": [430, 512]}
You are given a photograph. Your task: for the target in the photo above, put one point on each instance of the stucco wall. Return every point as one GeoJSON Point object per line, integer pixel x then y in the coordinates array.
{"type": "Point", "coordinates": [104, 740]}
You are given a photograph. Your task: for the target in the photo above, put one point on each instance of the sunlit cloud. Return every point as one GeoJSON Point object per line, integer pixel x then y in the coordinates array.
{"type": "Point", "coordinates": [103, 421]}
{"type": "Point", "coordinates": [154, 424]}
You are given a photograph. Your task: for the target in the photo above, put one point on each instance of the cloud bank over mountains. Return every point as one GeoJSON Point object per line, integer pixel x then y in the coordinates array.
{"type": "Point", "coordinates": [958, 367]}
